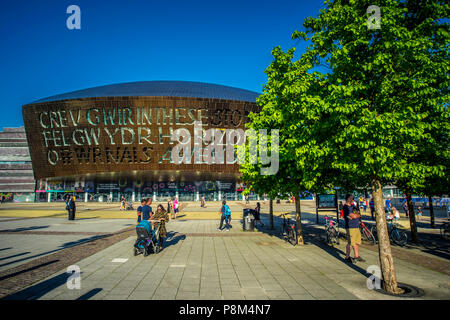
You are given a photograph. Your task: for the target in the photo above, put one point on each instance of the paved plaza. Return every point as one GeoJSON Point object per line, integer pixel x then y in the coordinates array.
{"type": "Point", "coordinates": [199, 262]}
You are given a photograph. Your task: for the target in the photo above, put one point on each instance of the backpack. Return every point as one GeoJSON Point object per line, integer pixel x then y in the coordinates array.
{"type": "Point", "coordinates": [227, 211]}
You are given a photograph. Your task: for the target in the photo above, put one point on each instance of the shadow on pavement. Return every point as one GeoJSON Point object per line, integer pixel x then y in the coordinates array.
{"type": "Point", "coordinates": [38, 290]}
{"type": "Point", "coordinates": [14, 255]}
{"type": "Point", "coordinates": [61, 247]}
{"type": "Point", "coordinates": [173, 238]}
{"type": "Point", "coordinates": [89, 294]}
{"type": "Point", "coordinates": [24, 229]}
{"type": "Point", "coordinates": [28, 270]}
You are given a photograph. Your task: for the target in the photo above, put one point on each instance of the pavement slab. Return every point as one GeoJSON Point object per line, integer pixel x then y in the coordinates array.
{"type": "Point", "coordinates": [199, 262]}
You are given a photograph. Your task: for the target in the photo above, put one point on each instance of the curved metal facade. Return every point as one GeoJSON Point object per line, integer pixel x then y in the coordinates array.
{"type": "Point", "coordinates": [184, 89]}
{"type": "Point", "coordinates": [111, 137]}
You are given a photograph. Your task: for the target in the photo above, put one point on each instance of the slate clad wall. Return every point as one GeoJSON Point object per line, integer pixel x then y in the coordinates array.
{"type": "Point", "coordinates": [16, 174]}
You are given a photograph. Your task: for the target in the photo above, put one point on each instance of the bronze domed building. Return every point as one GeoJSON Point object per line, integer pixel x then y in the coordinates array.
{"type": "Point", "coordinates": [116, 140]}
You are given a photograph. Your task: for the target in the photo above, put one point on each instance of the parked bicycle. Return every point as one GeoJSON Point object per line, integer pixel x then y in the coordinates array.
{"type": "Point", "coordinates": [396, 235]}
{"type": "Point", "coordinates": [445, 230]}
{"type": "Point", "coordinates": [366, 233]}
{"type": "Point", "coordinates": [331, 231]}
{"type": "Point", "coordinates": [288, 230]}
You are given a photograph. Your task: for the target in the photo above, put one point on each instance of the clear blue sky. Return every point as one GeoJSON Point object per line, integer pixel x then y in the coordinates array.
{"type": "Point", "coordinates": [226, 42]}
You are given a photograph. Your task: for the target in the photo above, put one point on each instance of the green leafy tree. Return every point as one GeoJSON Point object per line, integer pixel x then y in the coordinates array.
{"type": "Point", "coordinates": [386, 94]}
{"type": "Point", "coordinates": [284, 97]}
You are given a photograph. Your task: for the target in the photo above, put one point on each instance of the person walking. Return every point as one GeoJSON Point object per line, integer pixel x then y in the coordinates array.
{"type": "Point", "coordinates": [352, 218]}
{"type": "Point", "coordinates": [175, 207]}
{"type": "Point", "coordinates": [365, 205]}
{"type": "Point", "coordinates": [72, 208]}
{"type": "Point", "coordinates": [372, 208]}
{"type": "Point", "coordinates": [388, 204]}
{"type": "Point", "coordinates": [225, 216]}
{"type": "Point", "coordinates": [159, 218]}
{"type": "Point", "coordinates": [203, 202]}
{"type": "Point", "coordinates": [405, 208]}
{"type": "Point", "coordinates": [139, 210]}
{"type": "Point", "coordinates": [169, 206]}
{"type": "Point", "coordinates": [68, 204]}
{"type": "Point", "coordinates": [122, 203]}
{"type": "Point", "coordinates": [419, 213]}
{"type": "Point", "coordinates": [147, 209]}
{"type": "Point", "coordinates": [257, 214]}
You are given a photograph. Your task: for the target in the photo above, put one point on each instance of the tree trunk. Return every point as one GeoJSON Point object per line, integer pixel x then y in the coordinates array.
{"type": "Point", "coordinates": [271, 213]}
{"type": "Point", "coordinates": [298, 216]}
{"type": "Point", "coordinates": [384, 244]}
{"type": "Point", "coordinates": [412, 217]}
{"type": "Point", "coordinates": [430, 201]}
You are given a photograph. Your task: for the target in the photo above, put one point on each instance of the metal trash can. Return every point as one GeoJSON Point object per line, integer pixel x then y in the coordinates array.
{"type": "Point", "coordinates": [248, 223]}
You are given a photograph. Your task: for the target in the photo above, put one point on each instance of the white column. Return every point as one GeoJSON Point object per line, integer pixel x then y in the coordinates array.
{"type": "Point", "coordinates": [133, 197]}
{"type": "Point", "coordinates": [243, 197]}
{"type": "Point", "coordinates": [49, 195]}
{"type": "Point", "coordinates": [235, 196]}
{"type": "Point", "coordinates": [154, 196]}
{"type": "Point", "coordinates": [220, 195]}
{"type": "Point", "coordinates": [258, 197]}
{"type": "Point", "coordinates": [85, 197]}
{"type": "Point", "coordinates": [197, 196]}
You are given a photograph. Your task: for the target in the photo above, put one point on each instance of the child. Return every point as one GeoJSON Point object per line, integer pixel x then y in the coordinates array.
{"type": "Point", "coordinates": [226, 216]}
{"type": "Point", "coordinates": [122, 203]}
{"type": "Point", "coordinates": [341, 207]}
{"type": "Point", "coordinates": [419, 213]}
{"type": "Point", "coordinates": [396, 213]}
{"type": "Point", "coordinates": [175, 207]}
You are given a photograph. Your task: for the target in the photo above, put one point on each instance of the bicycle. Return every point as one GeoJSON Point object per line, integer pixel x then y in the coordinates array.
{"type": "Point", "coordinates": [331, 231]}
{"type": "Point", "coordinates": [288, 230]}
{"type": "Point", "coordinates": [366, 233]}
{"type": "Point", "coordinates": [445, 230]}
{"type": "Point", "coordinates": [396, 235]}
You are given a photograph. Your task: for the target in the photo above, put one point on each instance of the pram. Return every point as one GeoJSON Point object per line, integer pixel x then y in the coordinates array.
{"type": "Point", "coordinates": [147, 241]}
{"type": "Point", "coordinates": [129, 206]}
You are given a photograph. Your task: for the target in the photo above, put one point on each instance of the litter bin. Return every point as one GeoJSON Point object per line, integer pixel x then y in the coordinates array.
{"type": "Point", "coordinates": [248, 223]}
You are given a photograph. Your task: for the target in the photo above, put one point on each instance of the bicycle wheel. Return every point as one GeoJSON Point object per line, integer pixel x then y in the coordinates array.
{"type": "Point", "coordinates": [283, 231]}
{"type": "Point", "coordinates": [445, 230]}
{"type": "Point", "coordinates": [292, 236]}
{"type": "Point", "coordinates": [367, 235]}
{"type": "Point", "coordinates": [333, 234]}
{"type": "Point", "coordinates": [373, 230]}
{"type": "Point", "coordinates": [399, 237]}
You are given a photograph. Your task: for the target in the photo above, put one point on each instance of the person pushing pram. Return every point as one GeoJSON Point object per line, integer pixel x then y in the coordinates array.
{"type": "Point", "coordinates": [158, 220]}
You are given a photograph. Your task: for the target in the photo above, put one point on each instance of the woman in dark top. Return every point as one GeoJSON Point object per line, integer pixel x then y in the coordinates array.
{"type": "Point", "coordinates": [169, 205]}
{"type": "Point", "coordinates": [257, 214]}
{"type": "Point", "coordinates": [159, 218]}
{"type": "Point", "coordinates": [72, 208]}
